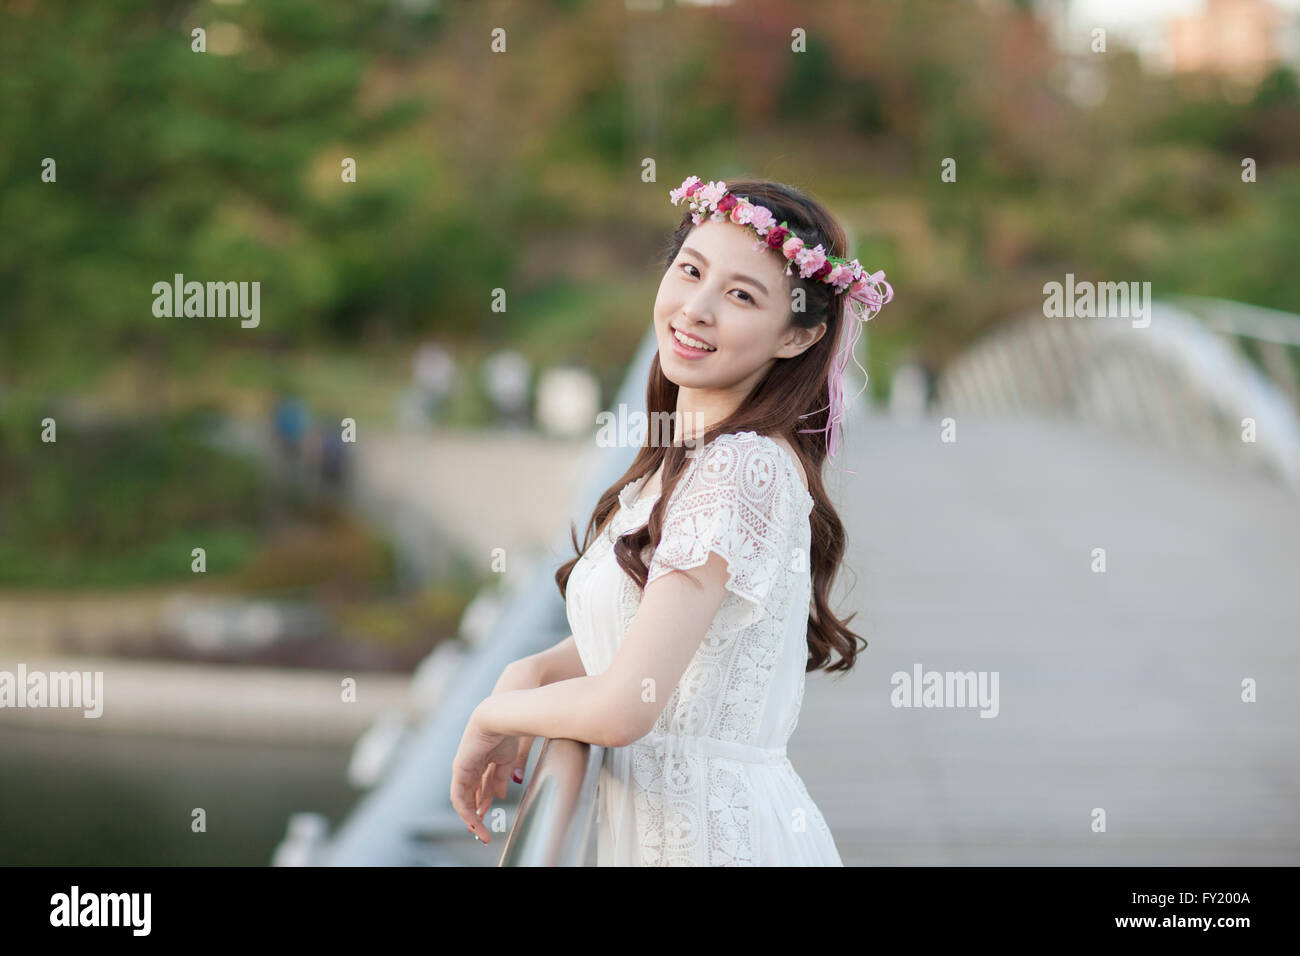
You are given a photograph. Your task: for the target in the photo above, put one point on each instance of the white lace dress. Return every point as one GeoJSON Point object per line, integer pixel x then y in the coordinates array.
{"type": "Point", "coordinates": [711, 785]}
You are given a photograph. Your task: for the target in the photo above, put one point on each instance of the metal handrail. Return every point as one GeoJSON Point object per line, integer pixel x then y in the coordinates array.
{"type": "Point", "coordinates": [1239, 318]}
{"type": "Point", "coordinates": [557, 813]}
{"type": "Point", "coordinates": [1176, 380]}
{"type": "Point", "coordinates": [1271, 331]}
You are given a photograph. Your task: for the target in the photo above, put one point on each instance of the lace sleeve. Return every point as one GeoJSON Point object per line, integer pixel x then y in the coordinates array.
{"type": "Point", "coordinates": [733, 500]}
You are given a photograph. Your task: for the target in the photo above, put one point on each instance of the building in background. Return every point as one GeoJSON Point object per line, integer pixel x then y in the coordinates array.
{"type": "Point", "coordinates": [1241, 39]}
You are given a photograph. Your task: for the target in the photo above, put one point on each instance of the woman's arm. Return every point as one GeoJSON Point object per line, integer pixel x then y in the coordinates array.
{"type": "Point", "coordinates": [545, 667]}
{"type": "Point", "coordinates": [557, 663]}
{"type": "Point", "coordinates": [621, 704]}
{"type": "Point", "coordinates": [611, 709]}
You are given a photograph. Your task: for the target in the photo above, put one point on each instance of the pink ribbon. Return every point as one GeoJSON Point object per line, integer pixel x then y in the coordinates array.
{"type": "Point", "coordinates": [861, 304]}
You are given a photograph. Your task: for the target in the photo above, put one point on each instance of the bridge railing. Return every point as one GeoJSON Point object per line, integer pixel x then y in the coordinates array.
{"type": "Point", "coordinates": [555, 823]}
{"type": "Point", "coordinates": [1182, 379]}
{"type": "Point", "coordinates": [1274, 336]}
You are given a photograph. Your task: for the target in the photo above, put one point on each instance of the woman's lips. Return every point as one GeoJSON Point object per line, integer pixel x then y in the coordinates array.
{"type": "Point", "coordinates": [685, 351]}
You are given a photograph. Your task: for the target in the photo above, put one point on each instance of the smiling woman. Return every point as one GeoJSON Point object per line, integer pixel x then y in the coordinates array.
{"type": "Point", "coordinates": [699, 597]}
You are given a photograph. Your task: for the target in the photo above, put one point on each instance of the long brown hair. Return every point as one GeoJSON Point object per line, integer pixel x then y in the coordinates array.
{"type": "Point", "coordinates": [791, 388]}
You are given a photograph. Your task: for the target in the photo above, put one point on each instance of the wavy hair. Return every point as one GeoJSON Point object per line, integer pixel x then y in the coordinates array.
{"type": "Point", "coordinates": [787, 399]}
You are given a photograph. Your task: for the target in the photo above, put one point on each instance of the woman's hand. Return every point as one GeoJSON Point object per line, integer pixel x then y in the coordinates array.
{"type": "Point", "coordinates": [481, 750]}
{"type": "Point", "coordinates": [523, 674]}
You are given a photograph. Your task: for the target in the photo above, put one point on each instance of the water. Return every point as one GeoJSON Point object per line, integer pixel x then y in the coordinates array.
{"type": "Point", "coordinates": [96, 799]}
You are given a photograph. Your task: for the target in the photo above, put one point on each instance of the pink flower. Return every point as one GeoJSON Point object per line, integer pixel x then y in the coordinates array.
{"type": "Point", "coordinates": [791, 247]}
{"type": "Point", "coordinates": [712, 193]}
{"type": "Point", "coordinates": [810, 260]}
{"type": "Point", "coordinates": [676, 195]}
{"type": "Point", "coordinates": [742, 212]}
{"type": "Point", "coordinates": [762, 219]}
{"type": "Point", "coordinates": [840, 276]}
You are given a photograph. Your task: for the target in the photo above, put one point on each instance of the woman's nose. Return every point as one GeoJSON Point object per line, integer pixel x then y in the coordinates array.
{"type": "Point", "coordinates": [699, 307]}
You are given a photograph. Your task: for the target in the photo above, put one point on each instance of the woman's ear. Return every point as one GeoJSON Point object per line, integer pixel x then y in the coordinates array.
{"type": "Point", "coordinates": [799, 340]}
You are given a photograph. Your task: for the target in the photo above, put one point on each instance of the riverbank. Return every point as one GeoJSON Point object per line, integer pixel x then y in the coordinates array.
{"type": "Point", "coordinates": [215, 701]}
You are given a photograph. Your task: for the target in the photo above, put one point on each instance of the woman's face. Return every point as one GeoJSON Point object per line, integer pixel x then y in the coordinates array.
{"type": "Point", "coordinates": [723, 292]}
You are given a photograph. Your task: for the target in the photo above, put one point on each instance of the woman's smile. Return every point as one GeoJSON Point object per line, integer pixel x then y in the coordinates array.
{"type": "Point", "coordinates": [689, 346]}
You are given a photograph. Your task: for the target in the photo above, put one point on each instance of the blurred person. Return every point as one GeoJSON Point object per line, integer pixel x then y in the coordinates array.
{"type": "Point", "coordinates": [693, 686]}
{"type": "Point", "coordinates": [290, 420]}
{"type": "Point", "coordinates": [333, 462]}
{"type": "Point", "coordinates": [506, 376]}
{"type": "Point", "coordinates": [433, 373]}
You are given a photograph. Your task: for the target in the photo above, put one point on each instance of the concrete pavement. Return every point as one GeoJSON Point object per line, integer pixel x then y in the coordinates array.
{"type": "Point", "coordinates": [1118, 690]}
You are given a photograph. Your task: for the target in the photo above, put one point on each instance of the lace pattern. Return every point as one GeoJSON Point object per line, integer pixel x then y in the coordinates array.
{"type": "Point", "coordinates": [735, 500]}
{"type": "Point", "coordinates": [692, 809]}
{"type": "Point", "coordinates": [711, 784]}
{"type": "Point", "coordinates": [741, 498]}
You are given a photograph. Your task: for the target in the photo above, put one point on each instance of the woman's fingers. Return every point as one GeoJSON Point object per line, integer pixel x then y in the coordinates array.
{"type": "Point", "coordinates": [521, 762]}
{"type": "Point", "coordinates": [473, 790]}
{"type": "Point", "coordinates": [462, 801]}
{"type": "Point", "coordinates": [501, 781]}
{"type": "Point", "coordinates": [485, 796]}
{"type": "Point", "coordinates": [485, 783]}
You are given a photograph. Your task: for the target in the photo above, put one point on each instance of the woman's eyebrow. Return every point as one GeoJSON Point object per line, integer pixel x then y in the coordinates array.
{"type": "Point", "coordinates": [735, 275]}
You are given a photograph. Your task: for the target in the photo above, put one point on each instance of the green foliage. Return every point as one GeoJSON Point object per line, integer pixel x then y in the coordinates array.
{"type": "Point", "coordinates": [118, 503]}
{"type": "Point", "coordinates": [806, 80]}
{"type": "Point", "coordinates": [222, 167]}
{"type": "Point", "coordinates": [227, 167]}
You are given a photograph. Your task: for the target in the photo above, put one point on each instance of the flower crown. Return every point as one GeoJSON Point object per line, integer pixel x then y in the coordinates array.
{"type": "Point", "coordinates": [866, 293]}
{"type": "Point", "coordinates": [814, 264]}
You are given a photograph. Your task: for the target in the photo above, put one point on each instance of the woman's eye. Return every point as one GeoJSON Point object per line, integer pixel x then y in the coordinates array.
{"type": "Point", "coordinates": [687, 265]}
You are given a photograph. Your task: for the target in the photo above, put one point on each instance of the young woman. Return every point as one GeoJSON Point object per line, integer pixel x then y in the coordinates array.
{"type": "Point", "coordinates": [700, 596]}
